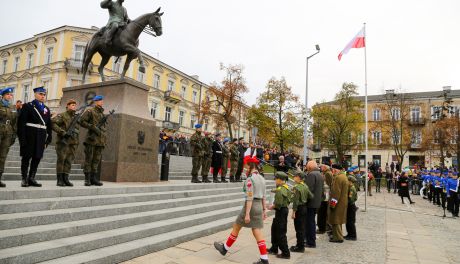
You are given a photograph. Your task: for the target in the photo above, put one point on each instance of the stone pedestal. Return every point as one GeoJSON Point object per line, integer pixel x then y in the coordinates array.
{"type": "Point", "coordinates": [131, 154]}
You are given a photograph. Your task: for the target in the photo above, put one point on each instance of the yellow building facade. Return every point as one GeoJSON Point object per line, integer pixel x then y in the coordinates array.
{"type": "Point", "coordinates": [53, 59]}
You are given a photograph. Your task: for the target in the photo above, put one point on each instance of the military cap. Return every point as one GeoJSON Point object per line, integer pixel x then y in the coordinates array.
{"type": "Point", "coordinates": [6, 90]}
{"type": "Point", "coordinates": [71, 101]}
{"type": "Point", "coordinates": [198, 125]}
{"type": "Point", "coordinates": [98, 98]}
{"type": "Point", "coordinates": [337, 166]}
{"type": "Point", "coordinates": [351, 179]}
{"type": "Point", "coordinates": [281, 175]}
{"type": "Point", "coordinates": [40, 90]}
{"type": "Point", "coordinates": [299, 174]}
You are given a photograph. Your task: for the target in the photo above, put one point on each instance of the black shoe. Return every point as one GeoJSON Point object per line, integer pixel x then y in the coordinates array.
{"type": "Point", "coordinates": [87, 179]}
{"type": "Point", "coordinates": [414, 202]}
{"type": "Point", "coordinates": [283, 256]}
{"type": "Point", "coordinates": [297, 249]}
{"type": "Point", "coordinates": [272, 251]}
{"type": "Point", "coordinates": [232, 179]}
{"type": "Point", "coordinates": [220, 247]}
{"type": "Point", "coordinates": [215, 181]}
{"type": "Point", "coordinates": [310, 246]}
{"type": "Point", "coordinates": [32, 181]}
{"type": "Point", "coordinates": [65, 177]}
{"type": "Point", "coordinates": [261, 261]}
{"type": "Point", "coordinates": [223, 180]}
{"type": "Point", "coordinates": [335, 241]}
{"type": "Point", "coordinates": [60, 181]}
{"type": "Point", "coordinates": [350, 238]}
{"type": "Point", "coordinates": [2, 185]}
{"type": "Point", "coordinates": [205, 180]}
{"type": "Point", "coordinates": [95, 181]}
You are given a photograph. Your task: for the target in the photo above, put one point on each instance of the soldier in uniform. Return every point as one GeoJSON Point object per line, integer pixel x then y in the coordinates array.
{"type": "Point", "coordinates": [34, 133]}
{"type": "Point", "coordinates": [118, 18]}
{"type": "Point", "coordinates": [241, 149]}
{"type": "Point", "coordinates": [279, 224]}
{"type": "Point", "coordinates": [95, 140]}
{"type": "Point", "coordinates": [234, 157]}
{"type": "Point", "coordinates": [66, 145]}
{"type": "Point", "coordinates": [207, 158]}
{"type": "Point", "coordinates": [196, 142]}
{"type": "Point", "coordinates": [217, 159]}
{"type": "Point", "coordinates": [8, 118]}
{"type": "Point", "coordinates": [351, 210]}
{"type": "Point", "coordinates": [225, 158]}
{"type": "Point", "coordinates": [301, 195]}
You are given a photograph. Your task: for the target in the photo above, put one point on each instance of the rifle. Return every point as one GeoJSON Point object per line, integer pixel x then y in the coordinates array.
{"type": "Point", "coordinates": [73, 125]}
{"type": "Point", "coordinates": [104, 119]}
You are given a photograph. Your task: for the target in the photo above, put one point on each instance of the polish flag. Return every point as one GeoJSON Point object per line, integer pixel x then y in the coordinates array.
{"type": "Point", "coordinates": [248, 156]}
{"type": "Point", "coordinates": [357, 42]}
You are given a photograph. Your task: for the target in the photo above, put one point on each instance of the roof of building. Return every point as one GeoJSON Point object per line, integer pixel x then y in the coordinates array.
{"type": "Point", "coordinates": [434, 95]}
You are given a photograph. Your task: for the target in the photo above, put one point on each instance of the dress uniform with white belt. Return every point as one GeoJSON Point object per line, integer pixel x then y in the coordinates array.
{"type": "Point", "coordinates": [217, 158]}
{"type": "Point", "coordinates": [34, 133]}
{"type": "Point", "coordinates": [8, 126]}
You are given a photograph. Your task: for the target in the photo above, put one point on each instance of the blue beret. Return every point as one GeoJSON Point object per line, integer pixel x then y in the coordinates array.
{"type": "Point", "coordinates": [98, 98]}
{"type": "Point", "coordinates": [455, 173]}
{"type": "Point", "coordinates": [40, 90]}
{"type": "Point", "coordinates": [6, 90]}
{"type": "Point", "coordinates": [198, 125]}
{"type": "Point", "coordinates": [226, 140]}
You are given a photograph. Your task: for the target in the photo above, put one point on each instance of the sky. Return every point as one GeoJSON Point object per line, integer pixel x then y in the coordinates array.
{"type": "Point", "coordinates": [412, 45]}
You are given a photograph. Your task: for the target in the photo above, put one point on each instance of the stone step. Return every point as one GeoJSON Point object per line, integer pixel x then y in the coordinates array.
{"type": "Point", "coordinates": [44, 159]}
{"type": "Point", "coordinates": [42, 170]}
{"type": "Point", "coordinates": [17, 220]}
{"type": "Point", "coordinates": [49, 153]}
{"type": "Point", "coordinates": [17, 163]}
{"type": "Point", "coordinates": [16, 176]}
{"type": "Point", "coordinates": [35, 234]}
{"type": "Point", "coordinates": [50, 250]}
{"type": "Point", "coordinates": [28, 205]}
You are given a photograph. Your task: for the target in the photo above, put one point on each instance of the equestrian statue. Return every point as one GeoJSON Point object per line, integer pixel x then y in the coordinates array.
{"type": "Point", "coordinates": [120, 37]}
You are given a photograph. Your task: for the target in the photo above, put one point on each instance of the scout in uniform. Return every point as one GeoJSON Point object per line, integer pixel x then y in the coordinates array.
{"type": "Point", "coordinates": [300, 196]}
{"type": "Point", "coordinates": [196, 142]}
{"type": "Point", "coordinates": [351, 210]}
{"type": "Point", "coordinates": [225, 158]}
{"type": "Point", "coordinates": [95, 140]}
{"type": "Point", "coordinates": [234, 158]}
{"type": "Point", "coordinates": [8, 126]}
{"type": "Point", "coordinates": [34, 133]}
{"type": "Point", "coordinates": [452, 193]}
{"type": "Point", "coordinates": [279, 224]}
{"type": "Point", "coordinates": [207, 158]}
{"type": "Point", "coordinates": [66, 145]}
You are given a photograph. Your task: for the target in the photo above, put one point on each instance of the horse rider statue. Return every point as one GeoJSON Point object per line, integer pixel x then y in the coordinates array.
{"type": "Point", "coordinates": [118, 18]}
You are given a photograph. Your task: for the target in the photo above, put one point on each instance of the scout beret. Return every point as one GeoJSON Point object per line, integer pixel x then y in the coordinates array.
{"type": "Point", "coordinates": [281, 175]}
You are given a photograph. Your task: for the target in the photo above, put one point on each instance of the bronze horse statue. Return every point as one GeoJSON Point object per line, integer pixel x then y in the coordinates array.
{"type": "Point", "coordinates": [125, 42]}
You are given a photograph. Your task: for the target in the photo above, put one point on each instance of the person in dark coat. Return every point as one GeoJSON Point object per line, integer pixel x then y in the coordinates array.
{"type": "Point", "coordinates": [217, 158]}
{"type": "Point", "coordinates": [34, 133]}
{"type": "Point", "coordinates": [281, 165]}
{"type": "Point", "coordinates": [315, 182]}
{"type": "Point", "coordinates": [241, 149]}
{"type": "Point", "coordinates": [403, 187]}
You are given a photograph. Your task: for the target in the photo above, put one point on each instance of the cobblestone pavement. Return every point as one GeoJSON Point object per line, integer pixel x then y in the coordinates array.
{"type": "Point", "coordinates": [388, 232]}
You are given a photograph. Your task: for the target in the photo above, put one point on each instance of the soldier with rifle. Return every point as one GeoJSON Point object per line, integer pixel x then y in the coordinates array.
{"type": "Point", "coordinates": [67, 129]}
{"type": "Point", "coordinates": [95, 121]}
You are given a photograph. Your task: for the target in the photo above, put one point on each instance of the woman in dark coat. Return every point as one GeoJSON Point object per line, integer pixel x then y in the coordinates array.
{"type": "Point", "coordinates": [403, 187]}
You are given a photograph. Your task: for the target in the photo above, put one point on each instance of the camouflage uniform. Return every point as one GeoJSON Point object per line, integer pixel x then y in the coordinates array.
{"type": "Point", "coordinates": [65, 150]}
{"type": "Point", "coordinates": [94, 144]}
{"type": "Point", "coordinates": [8, 119]}
{"type": "Point", "coordinates": [234, 157]}
{"type": "Point", "coordinates": [225, 157]}
{"type": "Point", "coordinates": [196, 142]}
{"type": "Point", "coordinates": [207, 158]}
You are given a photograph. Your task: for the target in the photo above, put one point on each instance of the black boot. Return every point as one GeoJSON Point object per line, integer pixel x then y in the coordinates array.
{"type": "Point", "coordinates": [65, 177]}
{"type": "Point", "coordinates": [205, 179]}
{"type": "Point", "coordinates": [32, 181]}
{"type": "Point", "coordinates": [25, 180]}
{"type": "Point", "coordinates": [223, 180]}
{"type": "Point", "coordinates": [2, 185]}
{"type": "Point", "coordinates": [215, 180]}
{"type": "Point", "coordinates": [87, 179]}
{"type": "Point", "coordinates": [261, 261]}
{"type": "Point", "coordinates": [60, 180]}
{"type": "Point", "coordinates": [95, 181]}
{"type": "Point", "coordinates": [232, 179]}
{"type": "Point", "coordinates": [195, 179]}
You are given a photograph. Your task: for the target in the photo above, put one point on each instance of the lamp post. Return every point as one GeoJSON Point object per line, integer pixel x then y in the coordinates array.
{"type": "Point", "coordinates": [305, 132]}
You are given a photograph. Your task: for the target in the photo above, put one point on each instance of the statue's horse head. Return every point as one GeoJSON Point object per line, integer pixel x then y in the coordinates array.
{"type": "Point", "coordinates": [155, 22]}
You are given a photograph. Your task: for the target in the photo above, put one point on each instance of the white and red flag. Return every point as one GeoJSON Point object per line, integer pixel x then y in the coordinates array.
{"type": "Point", "coordinates": [359, 41]}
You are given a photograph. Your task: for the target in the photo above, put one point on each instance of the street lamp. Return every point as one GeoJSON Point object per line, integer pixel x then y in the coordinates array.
{"type": "Point", "coordinates": [305, 132]}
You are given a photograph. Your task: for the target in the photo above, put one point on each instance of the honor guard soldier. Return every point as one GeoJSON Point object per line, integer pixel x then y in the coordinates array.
{"type": "Point", "coordinates": [279, 224]}
{"type": "Point", "coordinates": [241, 149]}
{"type": "Point", "coordinates": [95, 140]}
{"type": "Point", "coordinates": [225, 158]}
{"type": "Point", "coordinates": [217, 158]}
{"type": "Point", "coordinates": [196, 142]}
{"type": "Point", "coordinates": [67, 142]}
{"type": "Point", "coordinates": [300, 196]}
{"type": "Point", "coordinates": [35, 133]}
{"type": "Point", "coordinates": [8, 127]}
{"type": "Point", "coordinates": [234, 157]}
{"type": "Point", "coordinates": [207, 158]}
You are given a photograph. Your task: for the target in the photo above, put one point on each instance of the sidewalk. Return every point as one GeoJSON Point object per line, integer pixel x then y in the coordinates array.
{"type": "Point", "coordinates": [389, 232]}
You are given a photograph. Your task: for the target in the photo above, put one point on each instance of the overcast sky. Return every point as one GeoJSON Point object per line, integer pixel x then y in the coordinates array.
{"type": "Point", "coordinates": [413, 44]}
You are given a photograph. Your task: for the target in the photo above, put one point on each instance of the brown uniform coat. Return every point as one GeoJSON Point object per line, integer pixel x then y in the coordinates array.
{"type": "Point", "coordinates": [339, 191]}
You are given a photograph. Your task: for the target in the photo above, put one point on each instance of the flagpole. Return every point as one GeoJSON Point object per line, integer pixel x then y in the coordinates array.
{"type": "Point", "coordinates": [366, 119]}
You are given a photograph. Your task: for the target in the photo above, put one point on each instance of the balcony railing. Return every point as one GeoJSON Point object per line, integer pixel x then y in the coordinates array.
{"type": "Point", "coordinates": [172, 97]}
{"type": "Point", "coordinates": [417, 121]}
{"type": "Point", "coordinates": [415, 146]}
{"type": "Point", "coordinates": [171, 125]}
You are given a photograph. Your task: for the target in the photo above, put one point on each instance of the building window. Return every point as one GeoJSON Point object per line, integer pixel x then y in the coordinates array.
{"type": "Point", "coordinates": [377, 137]}
{"type": "Point", "coordinates": [395, 113]}
{"type": "Point", "coordinates": [396, 137]}
{"type": "Point", "coordinates": [26, 88]}
{"type": "Point", "coordinates": [168, 113]}
{"type": "Point", "coordinates": [183, 91]}
{"type": "Point", "coordinates": [30, 60]}
{"type": "Point", "coordinates": [116, 66]}
{"type": "Point", "coordinates": [206, 122]}
{"type": "Point", "coordinates": [181, 118]}
{"type": "Point", "coordinates": [49, 55]}
{"type": "Point", "coordinates": [415, 114]}
{"type": "Point", "coordinates": [360, 138]}
{"type": "Point", "coordinates": [140, 76]}
{"type": "Point", "coordinates": [4, 65]}
{"type": "Point", "coordinates": [192, 121]}
{"type": "Point", "coordinates": [16, 63]}
{"type": "Point", "coordinates": [453, 139]}
{"type": "Point", "coordinates": [436, 112]}
{"type": "Point", "coordinates": [170, 85]}
{"type": "Point", "coordinates": [78, 52]}
{"type": "Point", "coordinates": [194, 96]}
{"type": "Point", "coordinates": [156, 81]}
{"type": "Point", "coordinates": [376, 114]}
{"type": "Point", "coordinates": [153, 110]}
{"type": "Point", "coordinates": [437, 136]}
{"type": "Point", "coordinates": [416, 137]}
{"type": "Point", "coordinates": [452, 111]}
